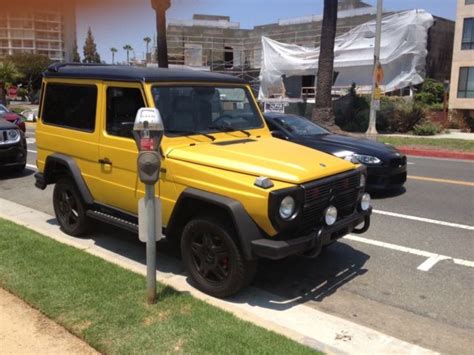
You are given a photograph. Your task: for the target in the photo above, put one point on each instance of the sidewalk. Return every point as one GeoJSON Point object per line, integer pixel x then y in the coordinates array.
{"type": "Point", "coordinates": [24, 330]}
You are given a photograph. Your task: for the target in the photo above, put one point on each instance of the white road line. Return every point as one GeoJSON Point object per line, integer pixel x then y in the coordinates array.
{"type": "Point", "coordinates": [30, 140]}
{"type": "Point", "coordinates": [31, 166]}
{"type": "Point", "coordinates": [432, 258]}
{"type": "Point", "coordinates": [32, 151]}
{"type": "Point", "coordinates": [427, 220]}
{"type": "Point", "coordinates": [410, 163]}
{"type": "Point", "coordinates": [429, 263]}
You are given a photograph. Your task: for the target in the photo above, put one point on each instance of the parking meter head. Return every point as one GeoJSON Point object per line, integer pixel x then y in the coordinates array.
{"type": "Point", "coordinates": [148, 129]}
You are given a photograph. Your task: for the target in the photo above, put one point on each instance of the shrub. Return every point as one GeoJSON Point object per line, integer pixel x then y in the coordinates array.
{"type": "Point", "coordinates": [406, 116]}
{"type": "Point", "coordinates": [425, 98]}
{"type": "Point", "coordinates": [427, 128]}
{"type": "Point", "coordinates": [432, 89]}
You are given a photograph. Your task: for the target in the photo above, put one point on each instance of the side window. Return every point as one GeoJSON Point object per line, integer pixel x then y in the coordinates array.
{"type": "Point", "coordinates": [122, 107]}
{"type": "Point", "coordinates": [70, 106]}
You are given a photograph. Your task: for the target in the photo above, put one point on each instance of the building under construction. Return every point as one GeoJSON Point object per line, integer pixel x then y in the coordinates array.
{"type": "Point", "coordinates": [218, 44]}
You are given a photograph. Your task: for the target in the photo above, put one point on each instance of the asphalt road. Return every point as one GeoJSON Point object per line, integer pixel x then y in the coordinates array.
{"type": "Point", "coordinates": [410, 276]}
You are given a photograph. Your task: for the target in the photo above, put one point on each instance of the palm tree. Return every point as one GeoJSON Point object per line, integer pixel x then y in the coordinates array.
{"type": "Point", "coordinates": [8, 72]}
{"type": "Point", "coordinates": [323, 112]}
{"type": "Point", "coordinates": [147, 42]}
{"type": "Point", "coordinates": [128, 48]}
{"type": "Point", "coordinates": [113, 50]}
{"type": "Point", "coordinates": [160, 7]}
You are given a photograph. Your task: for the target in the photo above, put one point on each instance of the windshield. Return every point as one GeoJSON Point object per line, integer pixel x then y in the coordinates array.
{"type": "Point", "coordinates": [203, 109]}
{"type": "Point", "coordinates": [300, 126]}
{"type": "Point", "coordinates": [3, 109]}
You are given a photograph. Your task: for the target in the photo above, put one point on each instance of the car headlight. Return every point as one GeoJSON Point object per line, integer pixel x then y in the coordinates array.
{"type": "Point", "coordinates": [365, 202]}
{"type": "Point", "coordinates": [287, 207]}
{"type": "Point", "coordinates": [330, 215]}
{"type": "Point", "coordinates": [367, 159]}
{"type": "Point", "coordinates": [12, 136]}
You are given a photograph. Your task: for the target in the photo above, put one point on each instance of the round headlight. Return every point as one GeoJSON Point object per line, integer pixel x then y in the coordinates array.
{"type": "Point", "coordinates": [330, 215]}
{"type": "Point", "coordinates": [287, 207]}
{"type": "Point", "coordinates": [362, 180]}
{"type": "Point", "coordinates": [365, 202]}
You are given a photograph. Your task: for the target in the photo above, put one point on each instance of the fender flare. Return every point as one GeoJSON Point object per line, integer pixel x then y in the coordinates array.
{"type": "Point", "coordinates": [246, 229]}
{"type": "Point", "coordinates": [54, 160]}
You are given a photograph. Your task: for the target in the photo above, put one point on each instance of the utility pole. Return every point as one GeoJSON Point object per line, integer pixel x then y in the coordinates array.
{"type": "Point", "coordinates": [377, 74]}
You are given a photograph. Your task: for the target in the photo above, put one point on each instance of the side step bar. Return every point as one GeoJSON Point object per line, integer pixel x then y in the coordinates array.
{"type": "Point", "coordinates": [115, 221]}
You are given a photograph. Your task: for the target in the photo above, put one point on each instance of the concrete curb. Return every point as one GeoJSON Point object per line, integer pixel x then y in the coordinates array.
{"type": "Point", "coordinates": [301, 323]}
{"type": "Point", "coordinates": [436, 153]}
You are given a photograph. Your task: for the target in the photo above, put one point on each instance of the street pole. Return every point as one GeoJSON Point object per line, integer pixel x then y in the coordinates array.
{"type": "Point", "coordinates": [151, 242]}
{"type": "Point", "coordinates": [375, 104]}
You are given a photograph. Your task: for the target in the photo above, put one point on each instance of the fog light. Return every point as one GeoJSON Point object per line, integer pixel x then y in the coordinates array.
{"type": "Point", "coordinates": [365, 202]}
{"type": "Point", "coordinates": [330, 215]}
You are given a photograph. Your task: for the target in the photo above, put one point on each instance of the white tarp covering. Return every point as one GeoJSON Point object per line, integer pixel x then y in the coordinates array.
{"type": "Point", "coordinates": [403, 55]}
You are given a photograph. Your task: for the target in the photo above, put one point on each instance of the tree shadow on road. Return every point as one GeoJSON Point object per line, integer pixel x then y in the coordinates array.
{"type": "Point", "coordinates": [301, 279]}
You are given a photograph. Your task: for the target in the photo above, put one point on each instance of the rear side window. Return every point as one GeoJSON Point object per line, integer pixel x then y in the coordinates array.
{"type": "Point", "coordinates": [70, 106]}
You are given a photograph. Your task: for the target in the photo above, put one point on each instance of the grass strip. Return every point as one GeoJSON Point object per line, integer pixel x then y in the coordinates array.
{"type": "Point", "coordinates": [430, 143]}
{"type": "Point", "coordinates": [106, 305]}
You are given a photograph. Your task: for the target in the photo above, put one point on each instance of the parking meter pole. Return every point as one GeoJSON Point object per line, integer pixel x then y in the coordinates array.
{"type": "Point", "coordinates": [151, 242]}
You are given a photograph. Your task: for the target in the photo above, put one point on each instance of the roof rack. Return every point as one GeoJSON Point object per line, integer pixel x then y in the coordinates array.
{"type": "Point", "coordinates": [55, 67]}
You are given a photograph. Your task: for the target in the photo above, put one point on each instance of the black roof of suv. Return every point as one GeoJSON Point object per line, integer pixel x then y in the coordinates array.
{"type": "Point", "coordinates": [129, 73]}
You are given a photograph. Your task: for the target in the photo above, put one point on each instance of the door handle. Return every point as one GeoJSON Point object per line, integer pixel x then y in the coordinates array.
{"type": "Point", "coordinates": [105, 161]}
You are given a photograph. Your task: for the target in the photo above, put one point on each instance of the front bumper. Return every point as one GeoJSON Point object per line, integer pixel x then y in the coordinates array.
{"type": "Point", "coordinates": [12, 156]}
{"type": "Point", "coordinates": [385, 178]}
{"type": "Point", "coordinates": [279, 249]}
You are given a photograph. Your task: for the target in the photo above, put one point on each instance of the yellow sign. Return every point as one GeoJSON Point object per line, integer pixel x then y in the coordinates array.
{"type": "Point", "coordinates": [379, 74]}
{"type": "Point", "coordinates": [377, 93]}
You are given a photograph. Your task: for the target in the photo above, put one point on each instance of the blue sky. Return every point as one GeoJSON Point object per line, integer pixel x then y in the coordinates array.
{"type": "Point", "coordinates": [129, 23]}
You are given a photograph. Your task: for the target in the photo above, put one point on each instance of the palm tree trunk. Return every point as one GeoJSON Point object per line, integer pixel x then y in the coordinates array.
{"type": "Point", "coordinates": [113, 58]}
{"type": "Point", "coordinates": [323, 112]}
{"type": "Point", "coordinates": [162, 44]}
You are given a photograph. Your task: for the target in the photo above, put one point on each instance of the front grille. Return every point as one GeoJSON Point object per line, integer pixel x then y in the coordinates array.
{"type": "Point", "coordinates": [341, 191]}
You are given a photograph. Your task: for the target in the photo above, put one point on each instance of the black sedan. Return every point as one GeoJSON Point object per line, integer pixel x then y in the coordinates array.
{"type": "Point", "coordinates": [386, 166]}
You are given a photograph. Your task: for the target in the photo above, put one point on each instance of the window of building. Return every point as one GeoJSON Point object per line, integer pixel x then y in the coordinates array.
{"type": "Point", "coordinates": [70, 106]}
{"type": "Point", "coordinates": [466, 83]}
{"type": "Point", "coordinates": [122, 107]}
{"type": "Point", "coordinates": [468, 34]}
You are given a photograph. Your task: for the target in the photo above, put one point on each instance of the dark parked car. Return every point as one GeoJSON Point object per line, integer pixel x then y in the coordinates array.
{"type": "Point", "coordinates": [12, 117]}
{"type": "Point", "coordinates": [386, 166]}
{"type": "Point", "coordinates": [13, 148]}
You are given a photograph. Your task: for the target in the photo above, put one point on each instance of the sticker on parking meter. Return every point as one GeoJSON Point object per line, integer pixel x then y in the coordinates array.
{"type": "Point", "coordinates": [142, 220]}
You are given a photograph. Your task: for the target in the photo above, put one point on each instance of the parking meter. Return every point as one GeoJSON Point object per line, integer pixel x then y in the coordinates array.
{"type": "Point", "coordinates": [148, 132]}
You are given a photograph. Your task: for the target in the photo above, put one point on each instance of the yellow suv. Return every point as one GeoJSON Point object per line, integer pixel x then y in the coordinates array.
{"type": "Point", "coordinates": [231, 193]}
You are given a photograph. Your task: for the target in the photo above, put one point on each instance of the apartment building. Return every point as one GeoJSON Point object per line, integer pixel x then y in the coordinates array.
{"type": "Point", "coordinates": [462, 74]}
{"type": "Point", "coordinates": [42, 27]}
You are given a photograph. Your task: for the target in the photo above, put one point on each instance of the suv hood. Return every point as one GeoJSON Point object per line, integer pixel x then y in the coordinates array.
{"type": "Point", "coordinates": [268, 156]}
{"type": "Point", "coordinates": [4, 124]}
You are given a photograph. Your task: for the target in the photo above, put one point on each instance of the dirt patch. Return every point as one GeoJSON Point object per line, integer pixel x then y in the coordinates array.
{"type": "Point", "coordinates": [24, 330]}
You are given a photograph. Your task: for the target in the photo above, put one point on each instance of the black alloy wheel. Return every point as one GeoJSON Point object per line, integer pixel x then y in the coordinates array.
{"type": "Point", "coordinates": [213, 258]}
{"type": "Point", "coordinates": [69, 208]}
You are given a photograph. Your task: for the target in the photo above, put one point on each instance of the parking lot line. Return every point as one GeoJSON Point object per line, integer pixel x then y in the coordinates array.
{"type": "Point", "coordinates": [432, 258]}
{"type": "Point", "coordinates": [445, 181]}
{"type": "Point", "coordinates": [427, 220]}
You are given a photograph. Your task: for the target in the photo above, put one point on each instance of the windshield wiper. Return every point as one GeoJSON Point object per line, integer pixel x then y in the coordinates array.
{"type": "Point", "coordinates": [230, 129]}
{"type": "Point", "coordinates": [191, 133]}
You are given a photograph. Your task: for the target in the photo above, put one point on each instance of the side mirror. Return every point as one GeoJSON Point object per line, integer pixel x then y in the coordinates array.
{"type": "Point", "coordinates": [279, 135]}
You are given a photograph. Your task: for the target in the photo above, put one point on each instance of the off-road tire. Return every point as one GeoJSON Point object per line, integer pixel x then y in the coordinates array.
{"type": "Point", "coordinates": [72, 219]}
{"type": "Point", "coordinates": [240, 272]}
